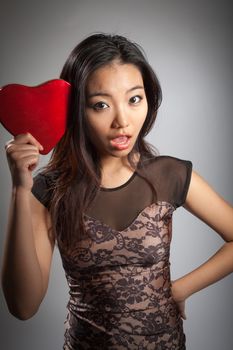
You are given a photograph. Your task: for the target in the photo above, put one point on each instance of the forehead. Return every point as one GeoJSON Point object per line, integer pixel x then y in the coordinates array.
{"type": "Point", "coordinates": [115, 76]}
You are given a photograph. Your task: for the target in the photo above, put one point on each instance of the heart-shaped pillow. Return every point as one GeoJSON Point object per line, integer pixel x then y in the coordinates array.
{"type": "Point", "coordinates": [41, 110]}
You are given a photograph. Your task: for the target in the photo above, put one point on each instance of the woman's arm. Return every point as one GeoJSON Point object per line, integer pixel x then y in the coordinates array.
{"type": "Point", "coordinates": [28, 246]}
{"type": "Point", "coordinates": [203, 202]}
{"type": "Point", "coordinates": [27, 255]}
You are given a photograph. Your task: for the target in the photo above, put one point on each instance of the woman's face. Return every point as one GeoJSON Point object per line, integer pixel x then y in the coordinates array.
{"type": "Point", "coordinates": [116, 105]}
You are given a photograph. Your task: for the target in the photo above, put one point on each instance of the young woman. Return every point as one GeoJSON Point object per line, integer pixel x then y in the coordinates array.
{"type": "Point", "coordinates": [107, 198]}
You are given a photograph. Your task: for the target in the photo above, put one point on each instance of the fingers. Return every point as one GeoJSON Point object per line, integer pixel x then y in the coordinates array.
{"type": "Point", "coordinates": [181, 307]}
{"type": "Point", "coordinates": [23, 152]}
{"type": "Point", "coordinates": [23, 139]}
{"type": "Point", "coordinates": [8, 144]}
{"type": "Point", "coordinates": [23, 157]}
{"type": "Point", "coordinates": [183, 315]}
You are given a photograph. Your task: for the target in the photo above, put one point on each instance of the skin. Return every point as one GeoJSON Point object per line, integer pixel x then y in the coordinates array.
{"type": "Point", "coordinates": [28, 248]}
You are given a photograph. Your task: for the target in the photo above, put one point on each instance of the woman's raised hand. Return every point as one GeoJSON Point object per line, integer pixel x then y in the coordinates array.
{"type": "Point", "coordinates": [23, 156]}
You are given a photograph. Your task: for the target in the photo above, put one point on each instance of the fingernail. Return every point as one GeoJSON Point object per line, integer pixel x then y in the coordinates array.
{"type": "Point", "coordinates": [41, 147]}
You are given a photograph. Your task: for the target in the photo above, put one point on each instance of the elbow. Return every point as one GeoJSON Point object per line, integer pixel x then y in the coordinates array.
{"type": "Point", "coordinates": [22, 308]}
{"type": "Point", "coordinates": [21, 313]}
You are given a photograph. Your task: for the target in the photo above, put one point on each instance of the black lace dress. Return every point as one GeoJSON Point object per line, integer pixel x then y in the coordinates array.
{"type": "Point", "coordinates": [119, 276]}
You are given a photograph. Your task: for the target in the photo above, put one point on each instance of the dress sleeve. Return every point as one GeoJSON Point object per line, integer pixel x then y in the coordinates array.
{"type": "Point", "coordinates": [174, 175]}
{"type": "Point", "coordinates": [182, 171]}
{"type": "Point", "coordinates": [41, 190]}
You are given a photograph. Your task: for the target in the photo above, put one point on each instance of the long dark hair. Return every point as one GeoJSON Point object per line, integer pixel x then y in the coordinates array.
{"type": "Point", "coordinates": [75, 164]}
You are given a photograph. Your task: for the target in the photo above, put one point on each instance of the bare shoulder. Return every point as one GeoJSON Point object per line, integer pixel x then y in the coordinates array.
{"type": "Point", "coordinates": [43, 237]}
{"type": "Point", "coordinates": [204, 202]}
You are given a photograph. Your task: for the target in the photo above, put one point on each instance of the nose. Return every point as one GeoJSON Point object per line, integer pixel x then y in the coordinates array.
{"type": "Point", "coordinates": [121, 119]}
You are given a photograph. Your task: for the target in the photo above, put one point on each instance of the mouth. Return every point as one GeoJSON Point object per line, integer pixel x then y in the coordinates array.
{"type": "Point", "coordinates": [121, 142]}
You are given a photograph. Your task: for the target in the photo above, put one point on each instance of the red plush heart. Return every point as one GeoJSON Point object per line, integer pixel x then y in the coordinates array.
{"type": "Point", "coordinates": [41, 110]}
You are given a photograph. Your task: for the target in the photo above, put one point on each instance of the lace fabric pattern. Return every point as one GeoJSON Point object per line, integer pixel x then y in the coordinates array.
{"type": "Point", "coordinates": [120, 287]}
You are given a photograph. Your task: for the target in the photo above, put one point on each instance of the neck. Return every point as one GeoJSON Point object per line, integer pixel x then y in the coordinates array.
{"type": "Point", "coordinates": [111, 165]}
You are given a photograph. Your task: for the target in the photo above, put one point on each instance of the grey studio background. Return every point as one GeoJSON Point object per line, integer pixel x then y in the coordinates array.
{"type": "Point", "coordinates": [189, 44]}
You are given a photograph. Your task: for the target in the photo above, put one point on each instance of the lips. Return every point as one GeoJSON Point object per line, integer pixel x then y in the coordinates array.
{"type": "Point", "coordinates": [120, 135]}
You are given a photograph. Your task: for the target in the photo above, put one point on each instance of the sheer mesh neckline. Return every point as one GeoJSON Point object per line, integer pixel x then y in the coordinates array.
{"type": "Point", "coordinates": [109, 189]}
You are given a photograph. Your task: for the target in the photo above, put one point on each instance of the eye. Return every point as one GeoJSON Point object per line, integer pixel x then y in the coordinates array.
{"type": "Point", "coordinates": [135, 99]}
{"type": "Point", "coordinates": [99, 105]}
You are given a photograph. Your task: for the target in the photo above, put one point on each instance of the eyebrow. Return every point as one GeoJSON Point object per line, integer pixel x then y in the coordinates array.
{"type": "Point", "coordinates": [103, 93]}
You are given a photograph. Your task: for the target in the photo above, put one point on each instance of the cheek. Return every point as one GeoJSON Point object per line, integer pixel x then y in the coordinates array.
{"type": "Point", "coordinates": [95, 127]}
{"type": "Point", "coordinates": [143, 115]}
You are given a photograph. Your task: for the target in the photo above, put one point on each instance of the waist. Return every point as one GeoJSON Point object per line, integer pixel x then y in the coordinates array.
{"type": "Point", "coordinates": [128, 289]}
{"type": "Point", "coordinates": [162, 319]}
